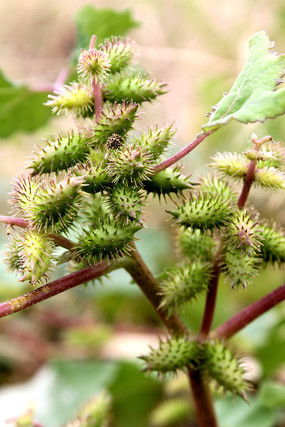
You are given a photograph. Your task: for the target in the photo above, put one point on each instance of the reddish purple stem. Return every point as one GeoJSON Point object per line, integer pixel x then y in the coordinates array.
{"type": "Point", "coordinates": [182, 153]}
{"type": "Point", "coordinates": [53, 288]}
{"type": "Point", "coordinates": [250, 313]}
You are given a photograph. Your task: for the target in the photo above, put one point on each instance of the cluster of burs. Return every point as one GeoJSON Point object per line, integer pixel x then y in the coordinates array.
{"type": "Point", "coordinates": [93, 182]}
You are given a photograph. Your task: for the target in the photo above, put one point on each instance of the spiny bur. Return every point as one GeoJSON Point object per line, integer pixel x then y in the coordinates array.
{"type": "Point", "coordinates": [273, 244]}
{"type": "Point", "coordinates": [119, 51]}
{"type": "Point", "coordinates": [73, 98]}
{"type": "Point", "coordinates": [224, 368]}
{"type": "Point", "coordinates": [156, 140]}
{"type": "Point", "coordinates": [129, 87]}
{"type": "Point", "coordinates": [168, 181]}
{"type": "Point", "coordinates": [172, 355]}
{"type": "Point", "coordinates": [180, 284]}
{"type": "Point", "coordinates": [60, 153]}
{"type": "Point", "coordinates": [96, 413]}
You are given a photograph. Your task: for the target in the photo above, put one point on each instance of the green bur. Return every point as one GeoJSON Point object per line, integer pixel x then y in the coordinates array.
{"type": "Point", "coordinates": [131, 88]}
{"type": "Point", "coordinates": [60, 153]}
{"type": "Point", "coordinates": [183, 283]}
{"type": "Point", "coordinates": [167, 181]}
{"type": "Point", "coordinates": [107, 241]}
{"type": "Point", "coordinates": [115, 119]}
{"type": "Point", "coordinates": [172, 355]}
{"type": "Point", "coordinates": [221, 364]}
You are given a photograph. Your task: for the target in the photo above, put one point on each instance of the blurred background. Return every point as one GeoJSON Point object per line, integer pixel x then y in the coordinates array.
{"type": "Point", "coordinates": [56, 355]}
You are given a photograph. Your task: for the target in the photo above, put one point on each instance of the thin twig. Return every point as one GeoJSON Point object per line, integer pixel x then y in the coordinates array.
{"type": "Point", "coordinates": [23, 223]}
{"type": "Point", "coordinates": [53, 288]}
{"type": "Point", "coordinates": [182, 153]}
{"type": "Point", "coordinates": [249, 314]}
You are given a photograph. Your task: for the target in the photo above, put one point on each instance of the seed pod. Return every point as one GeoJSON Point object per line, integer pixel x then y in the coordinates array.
{"type": "Point", "coordinates": [96, 413]}
{"type": "Point", "coordinates": [50, 207]}
{"type": "Point", "coordinates": [130, 165]}
{"type": "Point", "coordinates": [204, 211]}
{"type": "Point", "coordinates": [273, 244]}
{"type": "Point", "coordinates": [119, 51]}
{"type": "Point", "coordinates": [172, 355]}
{"type": "Point", "coordinates": [167, 181]}
{"type": "Point", "coordinates": [116, 119]}
{"type": "Point", "coordinates": [156, 140]}
{"type": "Point", "coordinates": [240, 267]}
{"type": "Point", "coordinates": [242, 231]}
{"type": "Point", "coordinates": [183, 283]}
{"type": "Point", "coordinates": [270, 178]}
{"type": "Point", "coordinates": [222, 365]}
{"type": "Point", "coordinates": [37, 255]}
{"type": "Point", "coordinates": [60, 153]}
{"type": "Point", "coordinates": [231, 164]}
{"type": "Point", "coordinates": [108, 241]}
{"type": "Point", "coordinates": [124, 87]}
{"type": "Point", "coordinates": [93, 63]}
{"type": "Point", "coordinates": [74, 98]}
{"type": "Point", "coordinates": [126, 203]}
{"type": "Point", "coordinates": [196, 244]}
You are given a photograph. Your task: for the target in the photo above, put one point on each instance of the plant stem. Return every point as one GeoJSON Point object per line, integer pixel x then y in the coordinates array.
{"type": "Point", "coordinates": [182, 153]}
{"type": "Point", "coordinates": [139, 271]}
{"type": "Point", "coordinates": [150, 287]}
{"type": "Point", "coordinates": [249, 314]}
{"type": "Point", "coordinates": [96, 87]}
{"type": "Point", "coordinates": [248, 180]}
{"type": "Point", "coordinates": [53, 288]}
{"type": "Point", "coordinates": [202, 398]}
{"type": "Point", "coordinates": [211, 296]}
{"type": "Point", "coordinates": [23, 223]}
{"type": "Point", "coordinates": [98, 98]}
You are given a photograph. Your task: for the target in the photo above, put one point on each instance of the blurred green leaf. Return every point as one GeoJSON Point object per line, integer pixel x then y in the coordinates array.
{"type": "Point", "coordinates": [134, 396]}
{"type": "Point", "coordinates": [253, 96]}
{"type": "Point", "coordinates": [234, 412]}
{"type": "Point", "coordinates": [72, 385]}
{"type": "Point", "coordinates": [272, 395]}
{"type": "Point", "coordinates": [103, 23]}
{"type": "Point", "coordinates": [21, 110]}
{"type": "Point", "coordinates": [271, 351]}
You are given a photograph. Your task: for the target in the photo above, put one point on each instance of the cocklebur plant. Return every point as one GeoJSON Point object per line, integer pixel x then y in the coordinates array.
{"type": "Point", "coordinates": [94, 181]}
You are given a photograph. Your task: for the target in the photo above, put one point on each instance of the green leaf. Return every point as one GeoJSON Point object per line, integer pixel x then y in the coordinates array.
{"type": "Point", "coordinates": [234, 413]}
{"type": "Point", "coordinates": [21, 110]}
{"type": "Point", "coordinates": [253, 96]}
{"type": "Point", "coordinates": [272, 394]}
{"type": "Point", "coordinates": [103, 23]}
